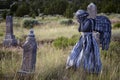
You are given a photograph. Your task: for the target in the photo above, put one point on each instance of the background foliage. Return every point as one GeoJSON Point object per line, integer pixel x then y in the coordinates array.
{"type": "Point", "coordinates": [61, 7]}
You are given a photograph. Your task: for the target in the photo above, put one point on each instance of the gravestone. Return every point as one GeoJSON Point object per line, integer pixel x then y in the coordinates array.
{"type": "Point", "coordinates": [92, 10]}
{"type": "Point", "coordinates": [29, 54]}
{"type": "Point", "coordinates": [9, 36]}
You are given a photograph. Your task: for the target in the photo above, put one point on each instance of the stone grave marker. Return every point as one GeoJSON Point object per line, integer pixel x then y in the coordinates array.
{"type": "Point", "coordinates": [29, 54]}
{"type": "Point", "coordinates": [9, 36]}
{"type": "Point", "coordinates": [92, 10]}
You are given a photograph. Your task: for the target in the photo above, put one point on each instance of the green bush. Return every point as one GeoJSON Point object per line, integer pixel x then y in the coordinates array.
{"type": "Point", "coordinates": [117, 25]}
{"type": "Point", "coordinates": [29, 23]}
{"type": "Point", "coordinates": [73, 40]}
{"type": "Point", "coordinates": [66, 22]}
{"type": "Point", "coordinates": [63, 42]}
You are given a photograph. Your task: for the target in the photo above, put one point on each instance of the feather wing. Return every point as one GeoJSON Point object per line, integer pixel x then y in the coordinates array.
{"type": "Point", "coordinates": [103, 26]}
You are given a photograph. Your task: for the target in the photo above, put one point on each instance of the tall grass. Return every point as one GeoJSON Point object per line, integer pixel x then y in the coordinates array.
{"type": "Point", "coordinates": [10, 62]}
{"type": "Point", "coordinates": [51, 30]}
{"type": "Point", "coordinates": [116, 35]}
{"type": "Point", "coordinates": [51, 63]}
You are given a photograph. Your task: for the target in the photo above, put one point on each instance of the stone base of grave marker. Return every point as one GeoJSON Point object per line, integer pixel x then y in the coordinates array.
{"type": "Point", "coordinates": [9, 40]}
{"type": "Point", "coordinates": [92, 10]}
{"type": "Point", "coordinates": [21, 75]}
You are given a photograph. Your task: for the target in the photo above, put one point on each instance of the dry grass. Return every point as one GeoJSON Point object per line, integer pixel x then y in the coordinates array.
{"type": "Point", "coordinates": [50, 30]}
{"type": "Point", "coordinates": [116, 35]}
{"type": "Point", "coordinates": [51, 62]}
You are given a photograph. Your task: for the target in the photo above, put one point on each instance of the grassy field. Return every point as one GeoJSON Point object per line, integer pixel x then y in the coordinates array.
{"type": "Point", "coordinates": [51, 61]}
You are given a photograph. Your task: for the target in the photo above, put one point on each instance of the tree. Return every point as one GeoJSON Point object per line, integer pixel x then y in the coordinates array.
{"type": "Point", "coordinates": [69, 12]}
{"type": "Point", "coordinates": [23, 9]}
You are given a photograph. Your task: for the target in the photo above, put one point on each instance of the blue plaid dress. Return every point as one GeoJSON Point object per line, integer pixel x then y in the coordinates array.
{"type": "Point", "coordinates": [85, 53]}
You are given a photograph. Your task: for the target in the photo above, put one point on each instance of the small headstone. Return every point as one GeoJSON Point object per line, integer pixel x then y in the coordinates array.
{"type": "Point", "coordinates": [92, 10]}
{"type": "Point", "coordinates": [9, 37]}
{"type": "Point", "coordinates": [29, 54]}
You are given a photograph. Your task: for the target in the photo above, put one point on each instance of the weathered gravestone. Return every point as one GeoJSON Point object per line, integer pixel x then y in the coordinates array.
{"type": "Point", "coordinates": [9, 37]}
{"type": "Point", "coordinates": [92, 10]}
{"type": "Point", "coordinates": [29, 54]}
{"type": "Point", "coordinates": [29, 58]}
{"type": "Point", "coordinates": [102, 27]}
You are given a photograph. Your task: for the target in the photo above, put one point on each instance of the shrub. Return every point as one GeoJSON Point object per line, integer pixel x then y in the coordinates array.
{"type": "Point", "coordinates": [29, 23]}
{"type": "Point", "coordinates": [117, 25]}
{"type": "Point", "coordinates": [73, 40]}
{"type": "Point", "coordinates": [63, 42]}
{"type": "Point", "coordinates": [67, 22]}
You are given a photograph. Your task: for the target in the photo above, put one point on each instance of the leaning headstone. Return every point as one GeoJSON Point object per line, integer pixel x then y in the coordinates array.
{"type": "Point", "coordinates": [9, 36]}
{"type": "Point", "coordinates": [92, 10]}
{"type": "Point", "coordinates": [29, 54]}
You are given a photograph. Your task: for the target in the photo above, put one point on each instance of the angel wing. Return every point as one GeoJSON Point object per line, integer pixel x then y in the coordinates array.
{"type": "Point", "coordinates": [103, 26]}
